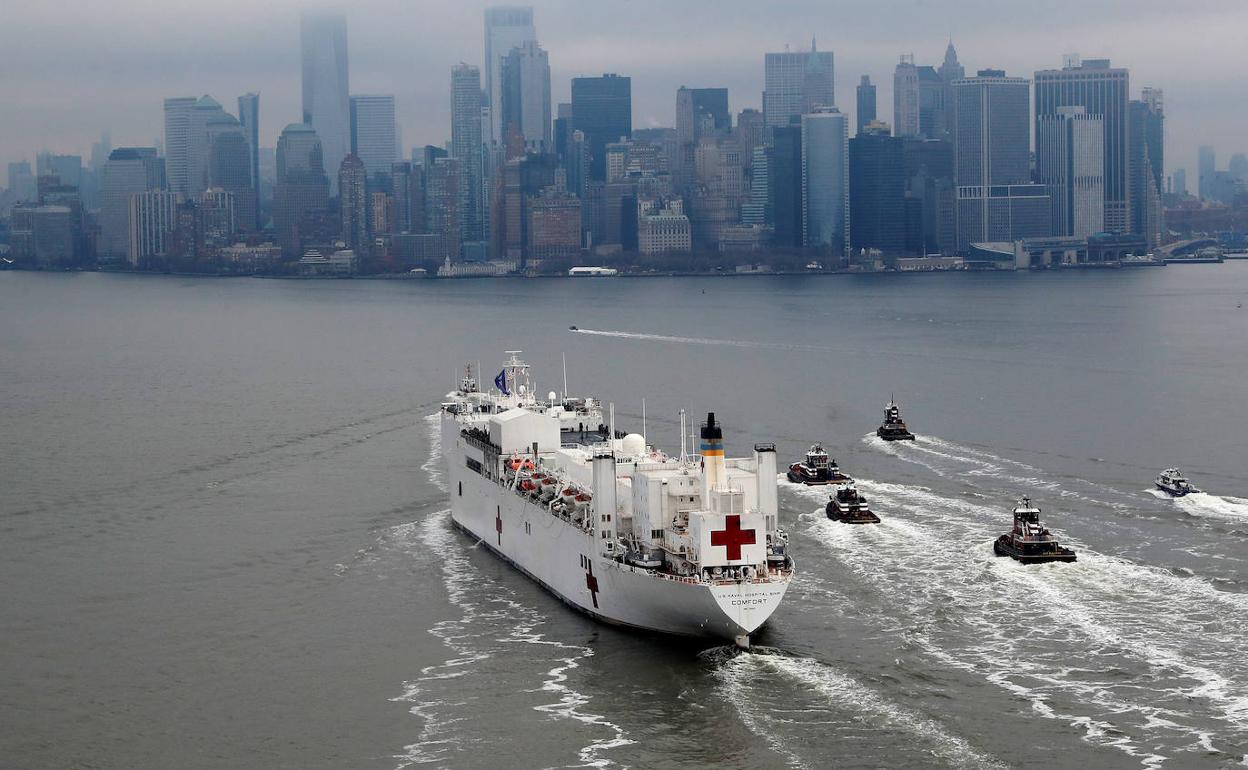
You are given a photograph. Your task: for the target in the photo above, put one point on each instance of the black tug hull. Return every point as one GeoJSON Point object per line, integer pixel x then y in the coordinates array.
{"type": "Point", "coordinates": [815, 480]}
{"type": "Point", "coordinates": [851, 517]}
{"type": "Point", "coordinates": [1003, 546]}
{"type": "Point", "coordinates": [1176, 492]}
{"type": "Point", "coordinates": [893, 435]}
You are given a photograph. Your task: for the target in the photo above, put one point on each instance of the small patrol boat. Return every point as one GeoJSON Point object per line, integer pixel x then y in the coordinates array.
{"type": "Point", "coordinates": [817, 469]}
{"type": "Point", "coordinates": [849, 507]}
{"type": "Point", "coordinates": [1172, 482]}
{"type": "Point", "coordinates": [893, 428]}
{"type": "Point", "coordinates": [1029, 541]}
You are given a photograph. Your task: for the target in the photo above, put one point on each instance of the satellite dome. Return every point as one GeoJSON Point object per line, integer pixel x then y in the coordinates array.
{"type": "Point", "coordinates": [633, 444]}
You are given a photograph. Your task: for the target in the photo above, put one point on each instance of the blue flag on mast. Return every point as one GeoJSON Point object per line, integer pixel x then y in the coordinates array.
{"type": "Point", "coordinates": [500, 382]}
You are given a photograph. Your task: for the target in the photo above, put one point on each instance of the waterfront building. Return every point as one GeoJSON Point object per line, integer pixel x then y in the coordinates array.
{"type": "Point", "coordinates": [662, 227]}
{"type": "Point", "coordinates": [996, 199]}
{"type": "Point", "coordinates": [466, 148]}
{"type": "Point", "coordinates": [152, 222]}
{"type": "Point", "coordinates": [1147, 131]}
{"type": "Point", "coordinates": [1206, 168]}
{"type": "Point", "coordinates": [877, 196]}
{"type": "Point", "coordinates": [1070, 161]}
{"type": "Point", "coordinates": [301, 196]}
{"type": "Point", "coordinates": [825, 181]}
{"type": "Point", "coordinates": [128, 171]}
{"type": "Point", "coordinates": [1101, 90]}
{"type": "Point", "coordinates": [784, 185]}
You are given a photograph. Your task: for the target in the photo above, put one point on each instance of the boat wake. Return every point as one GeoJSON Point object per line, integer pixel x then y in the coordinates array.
{"type": "Point", "coordinates": [464, 712]}
{"type": "Point", "coordinates": [705, 341]}
{"type": "Point", "coordinates": [947, 458]}
{"type": "Point", "coordinates": [823, 700]}
{"type": "Point", "coordinates": [1142, 660]}
{"type": "Point", "coordinates": [1204, 505]}
{"type": "Point", "coordinates": [433, 465]}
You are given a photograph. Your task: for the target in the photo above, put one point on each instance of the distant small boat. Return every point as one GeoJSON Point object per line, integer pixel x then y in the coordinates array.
{"type": "Point", "coordinates": [1172, 482]}
{"type": "Point", "coordinates": [1029, 541]}
{"type": "Point", "coordinates": [573, 329]}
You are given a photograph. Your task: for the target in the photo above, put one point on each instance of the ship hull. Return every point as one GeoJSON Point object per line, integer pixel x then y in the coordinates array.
{"type": "Point", "coordinates": [891, 435]}
{"type": "Point", "coordinates": [562, 558]}
{"type": "Point", "coordinates": [1175, 492]}
{"type": "Point", "coordinates": [1002, 546]}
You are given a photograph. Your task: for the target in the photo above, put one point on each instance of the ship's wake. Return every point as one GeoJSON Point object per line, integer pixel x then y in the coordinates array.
{"type": "Point", "coordinates": [819, 699]}
{"type": "Point", "coordinates": [1203, 505]}
{"type": "Point", "coordinates": [463, 710]}
{"type": "Point", "coordinates": [1141, 660]}
{"type": "Point", "coordinates": [981, 468]}
{"type": "Point", "coordinates": [706, 341]}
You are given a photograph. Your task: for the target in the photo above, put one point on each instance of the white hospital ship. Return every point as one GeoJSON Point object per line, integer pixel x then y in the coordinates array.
{"type": "Point", "coordinates": [623, 532]}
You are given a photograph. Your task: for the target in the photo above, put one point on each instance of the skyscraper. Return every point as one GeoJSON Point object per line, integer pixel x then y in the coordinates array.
{"type": "Point", "coordinates": [22, 181]}
{"type": "Point", "coordinates": [301, 196]}
{"type": "Point", "coordinates": [1206, 167]}
{"type": "Point", "coordinates": [373, 138]}
{"type": "Point", "coordinates": [796, 83]}
{"type": "Point", "coordinates": [207, 116]}
{"type": "Point", "coordinates": [1100, 90]}
{"type": "Point", "coordinates": [602, 109]}
{"type": "Point", "coordinates": [178, 141]}
{"type": "Point", "coordinates": [353, 202]}
{"type": "Point", "coordinates": [326, 107]}
{"type": "Point", "coordinates": [1070, 160]}
{"type": "Point", "coordinates": [996, 200]}
{"type": "Point", "coordinates": [1147, 131]}
{"type": "Point", "coordinates": [151, 218]}
{"type": "Point", "coordinates": [506, 27]}
{"type": "Point", "coordinates": [950, 70]}
{"type": "Point", "coordinates": [525, 77]}
{"type": "Point", "coordinates": [443, 203]}
{"type": "Point", "coordinates": [699, 112]}
{"type": "Point", "coordinates": [825, 180]}
{"type": "Point", "coordinates": [229, 169]}
{"type": "Point", "coordinates": [249, 117]}
{"type": "Point", "coordinates": [784, 185]}
{"type": "Point", "coordinates": [467, 148]}
{"type": "Point", "coordinates": [877, 196]}
{"type": "Point", "coordinates": [128, 171]}
{"type": "Point", "coordinates": [906, 97]}
{"type": "Point", "coordinates": [1180, 182]}
{"type": "Point", "coordinates": [866, 103]}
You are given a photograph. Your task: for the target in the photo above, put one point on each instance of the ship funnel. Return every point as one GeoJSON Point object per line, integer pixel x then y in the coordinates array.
{"type": "Point", "coordinates": [712, 449]}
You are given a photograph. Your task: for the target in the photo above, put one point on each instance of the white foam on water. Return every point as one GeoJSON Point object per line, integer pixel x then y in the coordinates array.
{"type": "Point", "coordinates": [947, 458]}
{"type": "Point", "coordinates": [737, 682]}
{"type": "Point", "coordinates": [491, 618]}
{"type": "Point", "coordinates": [1026, 622]}
{"type": "Point", "coordinates": [432, 466]}
{"type": "Point", "coordinates": [866, 707]}
{"type": "Point", "coordinates": [1209, 506]}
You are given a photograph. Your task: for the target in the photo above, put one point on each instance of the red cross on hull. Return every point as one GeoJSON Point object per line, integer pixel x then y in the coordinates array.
{"type": "Point", "coordinates": [732, 537]}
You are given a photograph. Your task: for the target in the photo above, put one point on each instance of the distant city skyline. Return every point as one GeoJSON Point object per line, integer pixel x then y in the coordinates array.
{"type": "Point", "coordinates": [107, 77]}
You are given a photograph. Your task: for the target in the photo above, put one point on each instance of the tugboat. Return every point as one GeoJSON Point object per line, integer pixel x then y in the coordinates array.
{"type": "Point", "coordinates": [1171, 482]}
{"type": "Point", "coordinates": [817, 469]}
{"type": "Point", "coordinates": [894, 428]}
{"type": "Point", "coordinates": [849, 507]}
{"type": "Point", "coordinates": [1030, 542]}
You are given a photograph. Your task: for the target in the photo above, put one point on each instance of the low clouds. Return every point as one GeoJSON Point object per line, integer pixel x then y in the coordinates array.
{"type": "Point", "coordinates": [66, 75]}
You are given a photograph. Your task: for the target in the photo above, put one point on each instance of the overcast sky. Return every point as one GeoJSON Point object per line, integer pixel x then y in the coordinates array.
{"type": "Point", "coordinates": [70, 71]}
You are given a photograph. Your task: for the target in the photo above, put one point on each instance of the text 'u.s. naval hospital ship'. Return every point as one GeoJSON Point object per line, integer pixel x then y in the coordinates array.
{"type": "Point", "coordinates": [685, 545]}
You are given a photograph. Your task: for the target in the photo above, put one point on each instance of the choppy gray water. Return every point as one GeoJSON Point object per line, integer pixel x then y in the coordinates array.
{"type": "Point", "coordinates": [223, 537]}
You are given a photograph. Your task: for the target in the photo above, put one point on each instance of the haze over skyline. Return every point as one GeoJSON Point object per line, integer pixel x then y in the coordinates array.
{"type": "Point", "coordinates": [63, 86]}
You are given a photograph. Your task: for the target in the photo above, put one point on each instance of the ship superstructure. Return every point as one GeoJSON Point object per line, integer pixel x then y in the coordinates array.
{"type": "Point", "coordinates": [620, 530]}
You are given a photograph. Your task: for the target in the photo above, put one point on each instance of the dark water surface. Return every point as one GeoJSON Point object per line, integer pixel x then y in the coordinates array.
{"type": "Point", "coordinates": [223, 538]}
